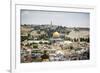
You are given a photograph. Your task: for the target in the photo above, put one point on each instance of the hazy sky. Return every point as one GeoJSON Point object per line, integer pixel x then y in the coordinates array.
{"type": "Point", "coordinates": [69, 19]}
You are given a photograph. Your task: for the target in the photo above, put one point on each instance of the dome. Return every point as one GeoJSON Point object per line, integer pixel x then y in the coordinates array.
{"type": "Point", "coordinates": [56, 34]}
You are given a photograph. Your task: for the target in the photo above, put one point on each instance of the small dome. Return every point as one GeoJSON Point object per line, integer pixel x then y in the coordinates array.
{"type": "Point", "coordinates": [56, 34]}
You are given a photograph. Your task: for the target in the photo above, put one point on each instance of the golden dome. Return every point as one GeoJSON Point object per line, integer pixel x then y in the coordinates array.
{"type": "Point", "coordinates": [56, 34]}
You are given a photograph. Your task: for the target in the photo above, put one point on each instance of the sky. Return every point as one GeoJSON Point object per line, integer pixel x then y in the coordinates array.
{"type": "Point", "coordinates": [68, 19]}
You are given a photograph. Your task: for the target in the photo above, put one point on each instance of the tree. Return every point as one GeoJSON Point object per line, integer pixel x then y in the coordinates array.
{"type": "Point", "coordinates": [24, 38]}
{"type": "Point", "coordinates": [45, 42]}
{"type": "Point", "coordinates": [49, 43]}
{"type": "Point", "coordinates": [38, 32]}
{"type": "Point", "coordinates": [40, 42]}
{"type": "Point", "coordinates": [75, 40]}
{"type": "Point", "coordinates": [67, 32]}
{"type": "Point", "coordinates": [88, 39]}
{"type": "Point", "coordinates": [71, 47]}
{"type": "Point", "coordinates": [35, 45]}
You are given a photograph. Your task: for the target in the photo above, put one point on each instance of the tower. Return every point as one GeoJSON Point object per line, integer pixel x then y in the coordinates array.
{"type": "Point", "coordinates": [51, 23]}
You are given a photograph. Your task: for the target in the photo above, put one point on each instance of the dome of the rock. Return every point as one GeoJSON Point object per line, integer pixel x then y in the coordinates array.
{"type": "Point", "coordinates": [56, 35]}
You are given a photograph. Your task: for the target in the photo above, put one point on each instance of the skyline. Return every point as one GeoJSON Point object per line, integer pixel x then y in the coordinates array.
{"type": "Point", "coordinates": [68, 19]}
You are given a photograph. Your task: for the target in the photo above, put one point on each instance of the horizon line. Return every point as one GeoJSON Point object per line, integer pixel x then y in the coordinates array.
{"type": "Point", "coordinates": [58, 25]}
